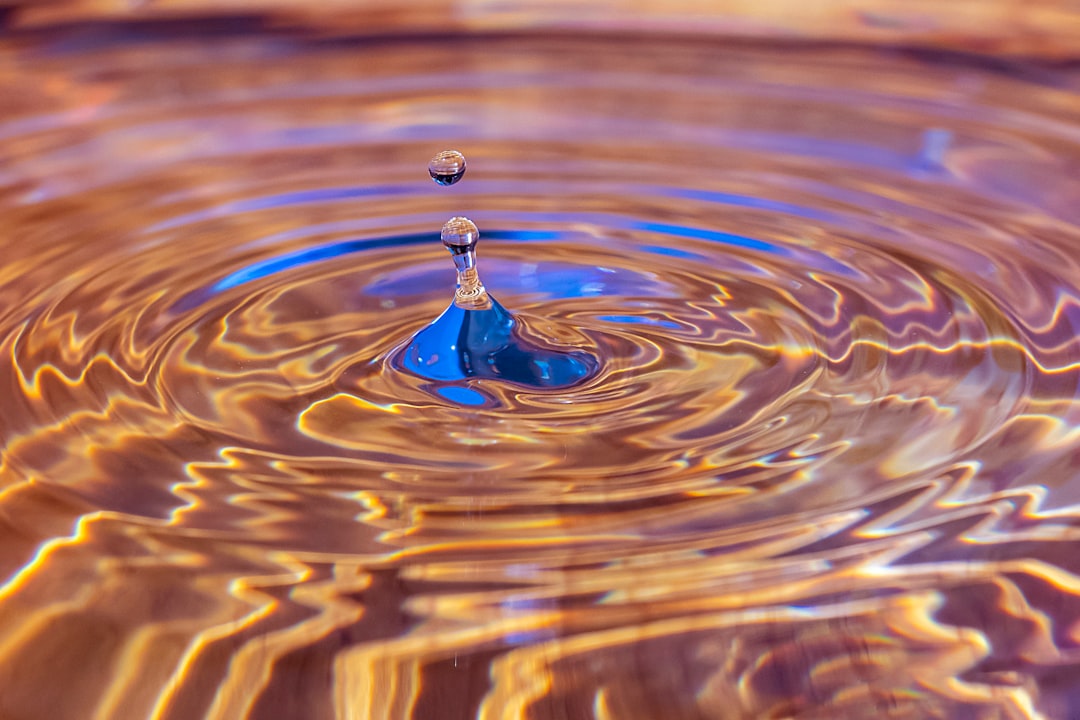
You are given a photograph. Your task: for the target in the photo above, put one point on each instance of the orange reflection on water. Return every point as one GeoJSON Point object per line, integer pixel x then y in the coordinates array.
{"type": "Point", "coordinates": [826, 466]}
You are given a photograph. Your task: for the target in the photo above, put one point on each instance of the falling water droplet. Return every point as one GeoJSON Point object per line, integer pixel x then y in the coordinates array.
{"type": "Point", "coordinates": [447, 167]}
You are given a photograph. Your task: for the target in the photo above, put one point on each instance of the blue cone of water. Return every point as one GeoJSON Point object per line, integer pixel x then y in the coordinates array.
{"type": "Point", "coordinates": [486, 343]}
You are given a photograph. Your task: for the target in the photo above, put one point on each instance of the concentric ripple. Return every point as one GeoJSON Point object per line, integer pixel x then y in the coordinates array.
{"type": "Point", "coordinates": [827, 465]}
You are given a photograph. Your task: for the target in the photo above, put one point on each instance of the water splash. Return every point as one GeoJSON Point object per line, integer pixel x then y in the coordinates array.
{"type": "Point", "coordinates": [487, 343]}
{"type": "Point", "coordinates": [476, 337]}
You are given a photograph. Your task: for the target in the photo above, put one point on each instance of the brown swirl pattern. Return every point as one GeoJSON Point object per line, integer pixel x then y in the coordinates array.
{"type": "Point", "coordinates": [827, 468]}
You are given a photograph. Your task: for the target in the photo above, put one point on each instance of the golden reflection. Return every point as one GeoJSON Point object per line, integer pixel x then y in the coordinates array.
{"type": "Point", "coordinates": [826, 466]}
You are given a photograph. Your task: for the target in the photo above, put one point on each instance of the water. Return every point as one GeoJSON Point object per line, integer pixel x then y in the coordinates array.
{"type": "Point", "coordinates": [447, 167]}
{"type": "Point", "coordinates": [460, 235]}
{"type": "Point", "coordinates": [476, 337]}
{"type": "Point", "coordinates": [825, 466]}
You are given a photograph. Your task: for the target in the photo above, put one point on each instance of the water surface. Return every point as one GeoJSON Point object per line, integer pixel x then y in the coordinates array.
{"type": "Point", "coordinates": [828, 464]}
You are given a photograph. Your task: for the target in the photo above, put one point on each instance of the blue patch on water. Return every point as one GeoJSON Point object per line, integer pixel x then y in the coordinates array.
{"type": "Point", "coordinates": [715, 236]}
{"type": "Point", "coordinates": [639, 320]}
{"type": "Point", "coordinates": [587, 282]}
{"type": "Point", "coordinates": [309, 256]}
{"type": "Point", "coordinates": [673, 252]}
{"type": "Point", "coordinates": [462, 395]}
{"type": "Point", "coordinates": [463, 344]}
{"type": "Point", "coordinates": [936, 143]}
{"type": "Point", "coordinates": [523, 235]}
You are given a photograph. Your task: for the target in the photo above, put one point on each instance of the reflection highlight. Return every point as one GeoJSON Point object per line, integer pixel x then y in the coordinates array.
{"type": "Point", "coordinates": [824, 465]}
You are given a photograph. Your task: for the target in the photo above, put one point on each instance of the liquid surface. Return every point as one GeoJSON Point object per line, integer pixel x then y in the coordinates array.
{"type": "Point", "coordinates": [827, 465]}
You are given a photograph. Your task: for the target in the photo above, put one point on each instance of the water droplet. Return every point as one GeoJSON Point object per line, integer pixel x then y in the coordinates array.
{"type": "Point", "coordinates": [459, 236]}
{"type": "Point", "coordinates": [447, 167]}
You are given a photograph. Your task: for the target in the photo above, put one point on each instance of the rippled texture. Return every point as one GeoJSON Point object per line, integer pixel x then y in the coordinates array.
{"type": "Point", "coordinates": [827, 466]}
{"type": "Point", "coordinates": [1027, 28]}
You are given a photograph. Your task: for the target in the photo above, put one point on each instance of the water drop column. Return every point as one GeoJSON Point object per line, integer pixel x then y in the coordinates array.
{"type": "Point", "coordinates": [459, 236]}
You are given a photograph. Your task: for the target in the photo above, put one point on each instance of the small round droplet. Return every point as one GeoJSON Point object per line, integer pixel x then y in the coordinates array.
{"type": "Point", "coordinates": [447, 167]}
{"type": "Point", "coordinates": [460, 235]}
